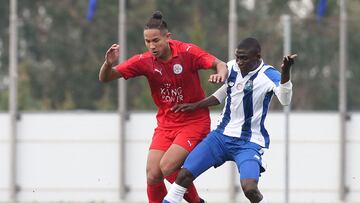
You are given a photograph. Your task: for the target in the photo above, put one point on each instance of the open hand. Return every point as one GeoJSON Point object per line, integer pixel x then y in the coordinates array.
{"type": "Point", "coordinates": [216, 78]}
{"type": "Point", "coordinates": [288, 61]}
{"type": "Point", "coordinates": [186, 107]}
{"type": "Point", "coordinates": [112, 54]}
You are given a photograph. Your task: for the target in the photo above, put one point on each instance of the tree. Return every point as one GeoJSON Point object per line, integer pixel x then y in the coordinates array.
{"type": "Point", "coordinates": [60, 52]}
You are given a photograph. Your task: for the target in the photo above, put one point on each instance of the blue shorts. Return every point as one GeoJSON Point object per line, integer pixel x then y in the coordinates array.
{"type": "Point", "coordinates": [217, 148]}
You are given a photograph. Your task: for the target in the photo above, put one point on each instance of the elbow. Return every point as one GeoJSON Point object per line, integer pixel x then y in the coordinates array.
{"type": "Point", "coordinates": [103, 79]}
{"type": "Point", "coordinates": [285, 97]}
{"type": "Point", "coordinates": [223, 67]}
{"type": "Point", "coordinates": [285, 101]}
{"type": "Point", "coordinates": [217, 102]}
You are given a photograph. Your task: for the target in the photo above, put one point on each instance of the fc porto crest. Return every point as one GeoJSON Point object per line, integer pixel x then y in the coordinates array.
{"type": "Point", "coordinates": [177, 68]}
{"type": "Point", "coordinates": [248, 85]}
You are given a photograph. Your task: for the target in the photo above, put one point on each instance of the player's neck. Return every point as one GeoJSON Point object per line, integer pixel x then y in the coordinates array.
{"type": "Point", "coordinates": [245, 71]}
{"type": "Point", "coordinates": [166, 55]}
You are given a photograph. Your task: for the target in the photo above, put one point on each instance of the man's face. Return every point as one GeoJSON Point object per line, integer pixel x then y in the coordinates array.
{"type": "Point", "coordinates": [247, 60]}
{"type": "Point", "coordinates": [156, 42]}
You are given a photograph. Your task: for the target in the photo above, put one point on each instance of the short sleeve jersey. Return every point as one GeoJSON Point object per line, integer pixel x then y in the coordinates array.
{"type": "Point", "coordinates": [172, 82]}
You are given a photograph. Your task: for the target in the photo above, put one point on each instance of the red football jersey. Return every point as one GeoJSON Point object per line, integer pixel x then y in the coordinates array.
{"type": "Point", "coordinates": [174, 81]}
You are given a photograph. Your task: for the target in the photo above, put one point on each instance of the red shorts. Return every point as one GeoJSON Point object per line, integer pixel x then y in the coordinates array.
{"type": "Point", "coordinates": [187, 136]}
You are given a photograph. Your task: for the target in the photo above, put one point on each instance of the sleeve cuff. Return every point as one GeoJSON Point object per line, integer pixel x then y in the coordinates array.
{"type": "Point", "coordinates": [286, 86]}
{"type": "Point", "coordinates": [220, 94]}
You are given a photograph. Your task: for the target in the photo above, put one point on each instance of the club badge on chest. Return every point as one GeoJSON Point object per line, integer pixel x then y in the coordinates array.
{"type": "Point", "coordinates": [248, 85]}
{"type": "Point", "coordinates": [177, 68]}
{"type": "Point", "coordinates": [240, 87]}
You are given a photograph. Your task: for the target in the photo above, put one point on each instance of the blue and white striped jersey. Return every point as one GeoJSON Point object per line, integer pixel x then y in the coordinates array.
{"type": "Point", "coordinates": [247, 101]}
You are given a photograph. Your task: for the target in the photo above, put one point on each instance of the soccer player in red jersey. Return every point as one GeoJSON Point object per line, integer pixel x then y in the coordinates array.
{"type": "Point", "coordinates": [171, 68]}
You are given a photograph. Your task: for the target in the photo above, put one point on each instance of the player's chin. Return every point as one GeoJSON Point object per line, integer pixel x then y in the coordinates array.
{"type": "Point", "coordinates": [155, 53]}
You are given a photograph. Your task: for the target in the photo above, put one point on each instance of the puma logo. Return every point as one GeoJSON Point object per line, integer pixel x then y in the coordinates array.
{"type": "Point", "coordinates": [189, 143]}
{"type": "Point", "coordinates": [157, 70]}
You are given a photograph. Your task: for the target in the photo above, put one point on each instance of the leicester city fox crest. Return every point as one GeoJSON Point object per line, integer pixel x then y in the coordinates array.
{"type": "Point", "coordinates": [248, 85]}
{"type": "Point", "coordinates": [177, 68]}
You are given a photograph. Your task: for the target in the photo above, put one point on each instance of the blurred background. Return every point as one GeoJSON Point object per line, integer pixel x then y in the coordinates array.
{"type": "Point", "coordinates": [64, 136]}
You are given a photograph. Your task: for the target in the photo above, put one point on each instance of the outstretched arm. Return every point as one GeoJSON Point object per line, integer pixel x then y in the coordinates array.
{"type": "Point", "coordinates": [288, 61]}
{"type": "Point", "coordinates": [284, 90]}
{"type": "Point", "coordinates": [209, 101]}
{"type": "Point", "coordinates": [107, 72]}
{"type": "Point", "coordinates": [212, 100]}
{"type": "Point", "coordinates": [221, 72]}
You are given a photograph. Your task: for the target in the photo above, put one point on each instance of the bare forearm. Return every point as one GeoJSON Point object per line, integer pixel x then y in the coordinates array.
{"type": "Point", "coordinates": [209, 101]}
{"type": "Point", "coordinates": [285, 88]}
{"type": "Point", "coordinates": [285, 76]}
{"type": "Point", "coordinates": [107, 73]}
{"type": "Point", "coordinates": [221, 68]}
{"type": "Point", "coordinates": [288, 61]}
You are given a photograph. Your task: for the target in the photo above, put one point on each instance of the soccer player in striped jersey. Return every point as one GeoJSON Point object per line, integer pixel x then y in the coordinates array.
{"type": "Point", "coordinates": [171, 68]}
{"type": "Point", "coordinates": [240, 135]}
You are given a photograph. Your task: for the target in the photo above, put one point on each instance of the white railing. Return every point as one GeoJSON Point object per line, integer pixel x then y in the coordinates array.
{"type": "Point", "coordinates": [73, 156]}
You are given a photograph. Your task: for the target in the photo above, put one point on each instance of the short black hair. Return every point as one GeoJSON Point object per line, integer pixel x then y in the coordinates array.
{"type": "Point", "coordinates": [156, 22]}
{"type": "Point", "coordinates": [250, 44]}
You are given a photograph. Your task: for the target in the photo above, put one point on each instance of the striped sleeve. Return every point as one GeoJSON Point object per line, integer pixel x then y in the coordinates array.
{"type": "Point", "coordinates": [220, 94]}
{"type": "Point", "coordinates": [282, 91]}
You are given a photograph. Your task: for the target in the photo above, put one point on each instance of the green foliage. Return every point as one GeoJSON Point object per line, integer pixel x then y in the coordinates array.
{"type": "Point", "coordinates": [60, 52]}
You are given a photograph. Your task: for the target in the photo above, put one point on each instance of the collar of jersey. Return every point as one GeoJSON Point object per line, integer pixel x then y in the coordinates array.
{"type": "Point", "coordinates": [237, 69]}
{"type": "Point", "coordinates": [258, 68]}
{"type": "Point", "coordinates": [174, 52]}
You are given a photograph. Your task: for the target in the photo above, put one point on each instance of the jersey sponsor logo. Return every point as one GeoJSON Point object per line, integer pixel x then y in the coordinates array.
{"type": "Point", "coordinates": [177, 68]}
{"type": "Point", "coordinates": [171, 94]}
{"type": "Point", "coordinates": [248, 85]}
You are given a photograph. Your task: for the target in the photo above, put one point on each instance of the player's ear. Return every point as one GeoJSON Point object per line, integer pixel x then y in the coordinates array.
{"type": "Point", "coordinates": [168, 35]}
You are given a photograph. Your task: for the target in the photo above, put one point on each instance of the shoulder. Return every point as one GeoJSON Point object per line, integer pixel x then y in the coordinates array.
{"type": "Point", "coordinates": [185, 47]}
{"type": "Point", "coordinates": [143, 57]}
{"type": "Point", "coordinates": [272, 74]}
{"type": "Point", "coordinates": [177, 42]}
{"type": "Point", "coordinates": [138, 61]}
{"type": "Point", "coordinates": [231, 65]}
